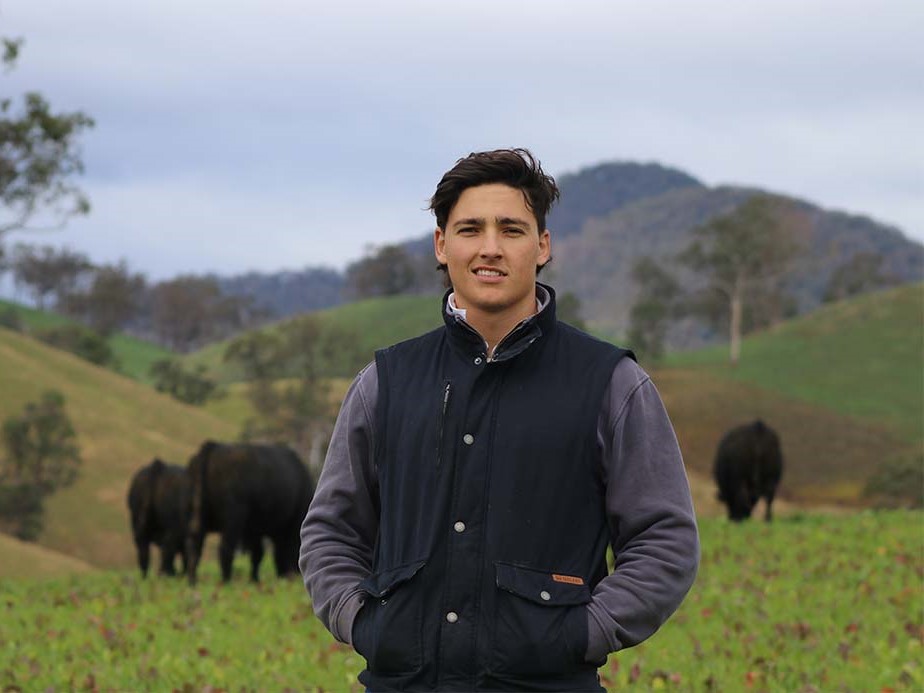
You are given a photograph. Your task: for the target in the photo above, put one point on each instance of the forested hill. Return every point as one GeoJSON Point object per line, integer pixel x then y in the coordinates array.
{"type": "Point", "coordinates": [599, 190]}
{"type": "Point", "coordinates": [610, 215]}
{"type": "Point", "coordinates": [596, 263]}
{"type": "Point", "coordinates": [288, 292]}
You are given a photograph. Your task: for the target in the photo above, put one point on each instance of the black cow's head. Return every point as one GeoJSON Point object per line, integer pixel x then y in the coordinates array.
{"type": "Point", "coordinates": [741, 503]}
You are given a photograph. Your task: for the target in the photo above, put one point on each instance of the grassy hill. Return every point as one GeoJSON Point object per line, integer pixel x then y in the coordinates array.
{"type": "Point", "coordinates": [835, 385]}
{"type": "Point", "coordinates": [375, 322]}
{"type": "Point", "coordinates": [135, 355]}
{"type": "Point", "coordinates": [19, 559]}
{"type": "Point", "coordinates": [842, 386]}
{"type": "Point", "coordinates": [121, 425]}
{"type": "Point", "coordinates": [829, 456]}
{"type": "Point", "coordinates": [862, 357]}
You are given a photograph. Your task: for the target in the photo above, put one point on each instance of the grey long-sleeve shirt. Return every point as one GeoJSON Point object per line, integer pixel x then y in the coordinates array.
{"type": "Point", "coordinates": [648, 506]}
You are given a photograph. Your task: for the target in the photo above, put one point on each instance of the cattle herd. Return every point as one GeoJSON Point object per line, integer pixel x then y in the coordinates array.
{"type": "Point", "coordinates": [244, 492]}
{"type": "Point", "coordinates": [248, 493]}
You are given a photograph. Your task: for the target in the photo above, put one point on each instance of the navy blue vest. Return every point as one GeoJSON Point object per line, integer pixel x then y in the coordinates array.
{"type": "Point", "coordinates": [492, 525]}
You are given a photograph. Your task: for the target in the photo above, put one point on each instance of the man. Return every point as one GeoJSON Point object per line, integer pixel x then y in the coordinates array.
{"type": "Point", "coordinates": [457, 539]}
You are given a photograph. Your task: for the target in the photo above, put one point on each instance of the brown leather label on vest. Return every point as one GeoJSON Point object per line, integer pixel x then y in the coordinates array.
{"type": "Point", "coordinates": [570, 579]}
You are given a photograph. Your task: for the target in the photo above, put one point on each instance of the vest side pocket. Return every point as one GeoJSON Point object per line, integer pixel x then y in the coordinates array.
{"type": "Point", "coordinates": [540, 626]}
{"type": "Point", "coordinates": [390, 629]}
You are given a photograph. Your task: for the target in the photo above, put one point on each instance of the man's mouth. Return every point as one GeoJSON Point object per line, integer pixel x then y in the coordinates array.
{"type": "Point", "coordinates": [487, 272]}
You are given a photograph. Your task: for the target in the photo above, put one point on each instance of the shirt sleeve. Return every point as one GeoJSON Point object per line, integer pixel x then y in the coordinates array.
{"type": "Point", "coordinates": [650, 514]}
{"type": "Point", "coordinates": [339, 530]}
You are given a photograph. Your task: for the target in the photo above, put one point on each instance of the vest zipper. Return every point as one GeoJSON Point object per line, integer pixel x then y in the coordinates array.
{"type": "Point", "coordinates": [447, 388]}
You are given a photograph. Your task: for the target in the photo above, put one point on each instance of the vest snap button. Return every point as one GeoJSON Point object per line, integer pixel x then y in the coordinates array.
{"type": "Point", "coordinates": [477, 360]}
{"type": "Point", "coordinates": [545, 596]}
{"type": "Point", "coordinates": [452, 617]}
{"type": "Point", "coordinates": [468, 439]}
{"type": "Point", "coordinates": [459, 527]}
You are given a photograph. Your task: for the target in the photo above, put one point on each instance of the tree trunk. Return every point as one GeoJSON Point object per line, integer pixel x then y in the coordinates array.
{"type": "Point", "coordinates": [735, 325]}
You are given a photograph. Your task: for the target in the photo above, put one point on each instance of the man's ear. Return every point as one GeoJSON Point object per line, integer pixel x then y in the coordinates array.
{"type": "Point", "coordinates": [545, 247]}
{"type": "Point", "coordinates": [439, 246]}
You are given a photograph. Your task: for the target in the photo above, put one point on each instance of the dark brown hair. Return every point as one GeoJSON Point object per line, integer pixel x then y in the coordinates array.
{"type": "Point", "coordinates": [517, 168]}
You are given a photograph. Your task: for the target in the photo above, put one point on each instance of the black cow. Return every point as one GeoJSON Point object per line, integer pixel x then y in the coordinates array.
{"type": "Point", "coordinates": [247, 492]}
{"type": "Point", "coordinates": [748, 466]}
{"type": "Point", "coordinates": [158, 500]}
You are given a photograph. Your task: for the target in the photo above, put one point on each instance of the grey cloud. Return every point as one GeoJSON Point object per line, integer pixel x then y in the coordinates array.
{"type": "Point", "coordinates": [346, 114]}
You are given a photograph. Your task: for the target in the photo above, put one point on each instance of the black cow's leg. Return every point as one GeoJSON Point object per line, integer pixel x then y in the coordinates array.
{"type": "Point", "coordinates": [285, 555]}
{"type": "Point", "coordinates": [256, 557]}
{"type": "Point", "coordinates": [229, 541]}
{"type": "Point", "coordinates": [144, 557]}
{"type": "Point", "coordinates": [167, 551]}
{"type": "Point", "coordinates": [193, 553]}
{"type": "Point", "coordinates": [279, 553]}
{"type": "Point", "coordinates": [768, 513]}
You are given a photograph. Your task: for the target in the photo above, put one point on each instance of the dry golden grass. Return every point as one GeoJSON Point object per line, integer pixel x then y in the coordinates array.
{"type": "Point", "coordinates": [19, 559]}
{"type": "Point", "coordinates": [121, 425]}
{"type": "Point", "coordinates": [828, 456]}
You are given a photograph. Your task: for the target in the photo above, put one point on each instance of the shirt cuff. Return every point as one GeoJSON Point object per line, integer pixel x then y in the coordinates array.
{"type": "Point", "coordinates": [351, 606]}
{"type": "Point", "coordinates": [597, 645]}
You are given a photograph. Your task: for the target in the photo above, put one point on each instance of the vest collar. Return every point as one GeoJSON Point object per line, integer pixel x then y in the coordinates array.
{"type": "Point", "coordinates": [466, 338]}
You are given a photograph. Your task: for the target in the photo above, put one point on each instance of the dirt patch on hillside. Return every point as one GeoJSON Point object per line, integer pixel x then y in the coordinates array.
{"type": "Point", "coordinates": [828, 456]}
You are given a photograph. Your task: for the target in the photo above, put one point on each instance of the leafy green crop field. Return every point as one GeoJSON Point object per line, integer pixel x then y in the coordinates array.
{"type": "Point", "coordinates": [808, 603]}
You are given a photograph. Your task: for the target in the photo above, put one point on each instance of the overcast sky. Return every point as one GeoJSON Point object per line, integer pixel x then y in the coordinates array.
{"type": "Point", "coordinates": [277, 134]}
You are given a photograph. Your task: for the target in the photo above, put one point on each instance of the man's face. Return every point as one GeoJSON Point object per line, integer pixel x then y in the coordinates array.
{"type": "Point", "coordinates": [491, 246]}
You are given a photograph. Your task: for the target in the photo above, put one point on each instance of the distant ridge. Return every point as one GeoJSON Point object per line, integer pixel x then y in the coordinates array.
{"type": "Point", "coordinates": [611, 214]}
{"type": "Point", "coordinates": [596, 264]}
{"type": "Point", "coordinates": [599, 190]}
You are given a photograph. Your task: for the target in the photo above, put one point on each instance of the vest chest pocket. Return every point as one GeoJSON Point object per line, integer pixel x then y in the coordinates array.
{"type": "Point", "coordinates": [388, 628]}
{"type": "Point", "coordinates": [540, 626]}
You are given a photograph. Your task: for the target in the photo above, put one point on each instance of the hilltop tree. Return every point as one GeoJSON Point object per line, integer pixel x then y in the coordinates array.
{"type": "Point", "coordinates": [45, 270]}
{"type": "Point", "coordinates": [112, 298]}
{"type": "Point", "coordinates": [287, 372]}
{"type": "Point", "coordinates": [388, 271]}
{"type": "Point", "coordinates": [741, 254]}
{"type": "Point", "coordinates": [188, 311]}
{"type": "Point", "coordinates": [39, 157]}
{"type": "Point", "coordinates": [655, 306]}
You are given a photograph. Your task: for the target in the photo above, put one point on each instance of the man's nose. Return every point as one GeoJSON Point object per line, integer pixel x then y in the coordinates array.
{"type": "Point", "coordinates": [490, 244]}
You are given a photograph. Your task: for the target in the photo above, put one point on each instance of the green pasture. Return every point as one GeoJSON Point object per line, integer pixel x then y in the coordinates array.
{"type": "Point", "coordinates": [135, 356]}
{"type": "Point", "coordinates": [373, 323]}
{"type": "Point", "coordinates": [233, 405]}
{"type": "Point", "coordinates": [807, 603]}
{"type": "Point", "coordinates": [33, 319]}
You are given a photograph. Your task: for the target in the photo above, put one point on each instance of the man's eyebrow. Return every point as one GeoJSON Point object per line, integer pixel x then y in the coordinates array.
{"type": "Point", "coordinates": [471, 221]}
{"type": "Point", "coordinates": [511, 221]}
{"type": "Point", "coordinates": [500, 221]}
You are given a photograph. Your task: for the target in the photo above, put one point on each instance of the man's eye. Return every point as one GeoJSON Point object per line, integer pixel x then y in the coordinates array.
{"type": "Point", "coordinates": [468, 230]}
{"type": "Point", "coordinates": [514, 231]}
